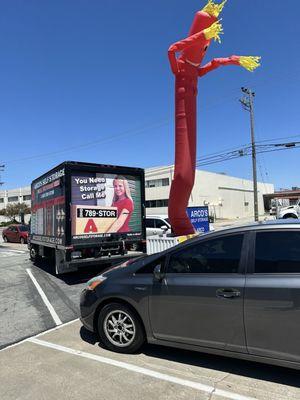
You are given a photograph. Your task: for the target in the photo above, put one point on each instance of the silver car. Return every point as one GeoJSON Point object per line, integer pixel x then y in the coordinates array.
{"type": "Point", "coordinates": [234, 292]}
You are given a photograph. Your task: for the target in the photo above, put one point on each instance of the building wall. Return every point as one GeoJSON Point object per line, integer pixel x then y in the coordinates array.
{"type": "Point", "coordinates": [13, 196]}
{"type": "Point", "coordinates": [226, 196]}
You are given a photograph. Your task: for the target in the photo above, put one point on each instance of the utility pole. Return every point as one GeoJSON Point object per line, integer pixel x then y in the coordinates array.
{"type": "Point", "coordinates": [1, 170]}
{"type": "Point", "coordinates": [247, 102]}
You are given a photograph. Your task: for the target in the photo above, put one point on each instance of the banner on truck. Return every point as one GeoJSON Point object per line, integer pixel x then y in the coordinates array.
{"type": "Point", "coordinates": [48, 208]}
{"type": "Point", "coordinates": [105, 204]}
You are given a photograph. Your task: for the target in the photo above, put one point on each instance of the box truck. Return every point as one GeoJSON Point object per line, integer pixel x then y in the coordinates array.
{"type": "Point", "coordinates": [83, 212]}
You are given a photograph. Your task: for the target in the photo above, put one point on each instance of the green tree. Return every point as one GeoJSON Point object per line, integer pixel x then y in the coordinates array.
{"type": "Point", "coordinates": [12, 211]}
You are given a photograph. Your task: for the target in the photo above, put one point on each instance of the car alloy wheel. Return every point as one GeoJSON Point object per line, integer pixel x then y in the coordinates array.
{"type": "Point", "coordinates": [5, 239]}
{"type": "Point", "coordinates": [119, 328]}
{"type": "Point", "coordinates": [22, 240]}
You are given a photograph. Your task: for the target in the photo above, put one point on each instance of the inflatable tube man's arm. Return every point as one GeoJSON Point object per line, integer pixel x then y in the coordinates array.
{"type": "Point", "coordinates": [250, 63]}
{"type": "Point", "coordinates": [213, 32]}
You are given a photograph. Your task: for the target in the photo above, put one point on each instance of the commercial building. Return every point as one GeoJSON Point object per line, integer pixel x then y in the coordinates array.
{"type": "Point", "coordinates": [227, 196]}
{"type": "Point", "coordinates": [14, 196]}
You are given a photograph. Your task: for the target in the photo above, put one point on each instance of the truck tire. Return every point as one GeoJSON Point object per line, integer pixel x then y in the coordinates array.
{"type": "Point", "coordinates": [33, 254]}
{"type": "Point", "coordinates": [120, 329]}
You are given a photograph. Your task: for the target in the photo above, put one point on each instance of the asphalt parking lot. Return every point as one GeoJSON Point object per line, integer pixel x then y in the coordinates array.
{"type": "Point", "coordinates": [47, 354]}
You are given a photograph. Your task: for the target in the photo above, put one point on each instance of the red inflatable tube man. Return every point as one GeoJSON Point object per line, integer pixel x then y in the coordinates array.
{"type": "Point", "coordinates": [187, 69]}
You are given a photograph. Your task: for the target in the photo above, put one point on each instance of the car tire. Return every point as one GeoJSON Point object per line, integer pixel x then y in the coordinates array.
{"type": "Point", "coordinates": [120, 329]}
{"type": "Point", "coordinates": [22, 240]}
{"type": "Point", "coordinates": [5, 239]}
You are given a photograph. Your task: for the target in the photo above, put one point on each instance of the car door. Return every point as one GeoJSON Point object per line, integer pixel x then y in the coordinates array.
{"type": "Point", "coordinates": [150, 227]}
{"type": "Point", "coordinates": [200, 299]}
{"type": "Point", "coordinates": [159, 223]}
{"type": "Point", "coordinates": [14, 234]}
{"type": "Point", "coordinates": [272, 295]}
{"type": "Point", "coordinates": [10, 234]}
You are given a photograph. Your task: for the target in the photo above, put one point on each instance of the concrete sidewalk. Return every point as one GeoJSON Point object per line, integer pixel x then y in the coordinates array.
{"type": "Point", "coordinates": [67, 363]}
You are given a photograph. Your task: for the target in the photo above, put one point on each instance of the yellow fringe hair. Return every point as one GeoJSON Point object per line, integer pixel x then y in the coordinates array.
{"type": "Point", "coordinates": [214, 9]}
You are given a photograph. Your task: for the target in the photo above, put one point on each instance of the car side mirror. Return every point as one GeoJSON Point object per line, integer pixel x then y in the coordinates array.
{"type": "Point", "coordinates": [158, 276]}
{"type": "Point", "coordinates": [164, 228]}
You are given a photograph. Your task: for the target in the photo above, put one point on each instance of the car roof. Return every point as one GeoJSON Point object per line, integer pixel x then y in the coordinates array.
{"type": "Point", "coordinates": [255, 226]}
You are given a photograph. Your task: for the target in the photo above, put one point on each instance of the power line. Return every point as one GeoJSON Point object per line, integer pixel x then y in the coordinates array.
{"type": "Point", "coordinates": [95, 142]}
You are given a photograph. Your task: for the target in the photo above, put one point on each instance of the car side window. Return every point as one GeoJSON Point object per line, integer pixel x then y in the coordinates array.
{"type": "Point", "coordinates": [149, 223]}
{"type": "Point", "coordinates": [277, 252]}
{"type": "Point", "coordinates": [216, 256]}
{"type": "Point", "coordinates": [159, 223]}
{"type": "Point", "coordinates": [149, 267]}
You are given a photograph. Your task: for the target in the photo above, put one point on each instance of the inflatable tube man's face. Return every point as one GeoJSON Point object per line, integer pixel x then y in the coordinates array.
{"type": "Point", "coordinates": [204, 20]}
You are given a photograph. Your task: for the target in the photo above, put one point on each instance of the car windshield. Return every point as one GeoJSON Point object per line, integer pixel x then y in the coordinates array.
{"type": "Point", "coordinates": [23, 228]}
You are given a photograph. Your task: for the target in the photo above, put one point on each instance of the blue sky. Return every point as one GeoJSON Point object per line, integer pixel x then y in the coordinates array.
{"type": "Point", "coordinates": [90, 81]}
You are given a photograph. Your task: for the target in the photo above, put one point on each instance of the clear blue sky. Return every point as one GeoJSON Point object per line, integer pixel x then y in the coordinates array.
{"type": "Point", "coordinates": [90, 81]}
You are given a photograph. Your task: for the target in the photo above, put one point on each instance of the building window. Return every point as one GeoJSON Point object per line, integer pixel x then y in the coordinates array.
{"type": "Point", "coordinates": [27, 197]}
{"type": "Point", "coordinates": [1, 200]}
{"type": "Point", "coordinates": [157, 182]}
{"type": "Point", "coordinates": [13, 198]}
{"type": "Point", "coordinates": [157, 203]}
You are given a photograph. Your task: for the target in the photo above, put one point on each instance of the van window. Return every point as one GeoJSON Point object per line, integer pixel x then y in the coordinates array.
{"type": "Point", "coordinates": [150, 223]}
{"type": "Point", "coordinates": [159, 223]}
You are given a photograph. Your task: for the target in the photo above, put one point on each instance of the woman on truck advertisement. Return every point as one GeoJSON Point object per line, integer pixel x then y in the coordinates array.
{"type": "Point", "coordinates": [123, 201]}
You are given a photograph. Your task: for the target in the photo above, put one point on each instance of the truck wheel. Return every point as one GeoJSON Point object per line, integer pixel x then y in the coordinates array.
{"type": "Point", "coordinates": [33, 254]}
{"type": "Point", "coordinates": [120, 329]}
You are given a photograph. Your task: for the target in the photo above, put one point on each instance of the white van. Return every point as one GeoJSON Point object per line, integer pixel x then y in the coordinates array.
{"type": "Point", "coordinates": [157, 225]}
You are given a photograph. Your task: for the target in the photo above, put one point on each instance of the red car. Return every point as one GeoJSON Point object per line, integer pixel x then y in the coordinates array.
{"type": "Point", "coordinates": [16, 233]}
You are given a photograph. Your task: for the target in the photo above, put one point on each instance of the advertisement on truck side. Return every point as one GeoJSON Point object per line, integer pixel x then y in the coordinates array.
{"type": "Point", "coordinates": [48, 208]}
{"type": "Point", "coordinates": [103, 205]}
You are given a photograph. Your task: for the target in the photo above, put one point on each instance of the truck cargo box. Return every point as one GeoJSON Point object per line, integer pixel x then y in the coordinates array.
{"type": "Point", "coordinates": [84, 211]}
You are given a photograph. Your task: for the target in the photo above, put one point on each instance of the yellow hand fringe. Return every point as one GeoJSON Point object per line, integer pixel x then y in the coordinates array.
{"type": "Point", "coordinates": [214, 32]}
{"type": "Point", "coordinates": [214, 9]}
{"type": "Point", "coordinates": [250, 63]}
{"type": "Point", "coordinates": [181, 239]}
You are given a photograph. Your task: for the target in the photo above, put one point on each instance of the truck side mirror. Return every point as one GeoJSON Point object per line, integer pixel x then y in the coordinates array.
{"type": "Point", "coordinates": [158, 276]}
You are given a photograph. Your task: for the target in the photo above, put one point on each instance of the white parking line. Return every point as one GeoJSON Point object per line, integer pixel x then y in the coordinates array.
{"type": "Point", "coordinates": [39, 334]}
{"type": "Point", "coordinates": [145, 371]}
{"type": "Point", "coordinates": [55, 317]}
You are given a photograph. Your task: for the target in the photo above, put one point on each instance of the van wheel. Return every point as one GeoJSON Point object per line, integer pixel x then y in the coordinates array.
{"type": "Point", "coordinates": [120, 329]}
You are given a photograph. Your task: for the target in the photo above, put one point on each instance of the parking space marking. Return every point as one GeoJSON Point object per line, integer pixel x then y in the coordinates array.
{"type": "Point", "coordinates": [144, 371]}
{"type": "Point", "coordinates": [11, 253]}
{"type": "Point", "coordinates": [53, 313]}
{"type": "Point", "coordinates": [39, 334]}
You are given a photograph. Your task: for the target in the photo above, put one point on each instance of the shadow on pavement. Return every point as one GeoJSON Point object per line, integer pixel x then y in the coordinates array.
{"type": "Point", "coordinates": [248, 369]}
{"type": "Point", "coordinates": [72, 278]}
{"type": "Point", "coordinates": [88, 336]}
